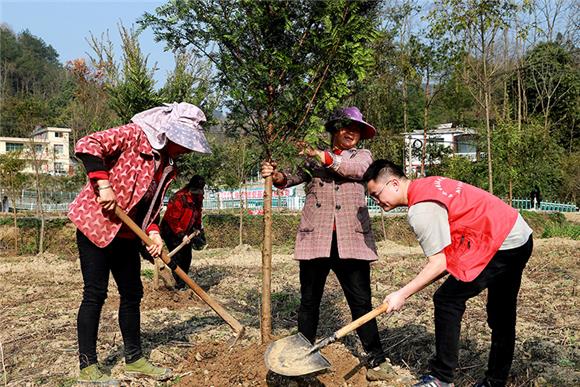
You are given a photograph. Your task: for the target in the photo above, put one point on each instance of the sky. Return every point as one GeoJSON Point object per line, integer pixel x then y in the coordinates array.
{"type": "Point", "coordinates": [66, 24]}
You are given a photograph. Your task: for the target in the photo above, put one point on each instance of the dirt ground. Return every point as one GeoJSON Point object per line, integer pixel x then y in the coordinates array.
{"type": "Point", "coordinates": [40, 297]}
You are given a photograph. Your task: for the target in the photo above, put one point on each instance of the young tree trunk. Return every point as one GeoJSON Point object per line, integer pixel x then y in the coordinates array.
{"type": "Point", "coordinates": [383, 224]}
{"type": "Point", "coordinates": [505, 88]}
{"type": "Point", "coordinates": [488, 130]}
{"type": "Point", "coordinates": [242, 207]}
{"type": "Point", "coordinates": [510, 193]}
{"type": "Point", "coordinates": [39, 207]}
{"type": "Point", "coordinates": [15, 225]}
{"type": "Point", "coordinates": [410, 157]}
{"type": "Point", "coordinates": [266, 319]}
{"type": "Point", "coordinates": [40, 214]}
{"type": "Point", "coordinates": [547, 117]}
{"type": "Point", "coordinates": [487, 103]}
{"type": "Point", "coordinates": [519, 77]}
{"type": "Point", "coordinates": [405, 106]}
{"type": "Point", "coordinates": [242, 198]}
{"type": "Point", "coordinates": [425, 125]}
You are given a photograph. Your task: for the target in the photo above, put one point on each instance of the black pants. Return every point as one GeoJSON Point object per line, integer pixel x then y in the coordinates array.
{"type": "Point", "coordinates": [182, 258]}
{"type": "Point", "coordinates": [502, 278]}
{"type": "Point", "coordinates": [355, 280]}
{"type": "Point", "coordinates": [121, 258]}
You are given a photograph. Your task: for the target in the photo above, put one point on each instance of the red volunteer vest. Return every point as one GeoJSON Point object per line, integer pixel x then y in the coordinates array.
{"type": "Point", "coordinates": [479, 222]}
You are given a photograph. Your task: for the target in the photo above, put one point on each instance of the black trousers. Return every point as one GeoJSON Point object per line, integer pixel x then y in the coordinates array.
{"type": "Point", "coordinates": [182, 258]}
{"type": "Point", "coordinates": [355, 280]}
{"type": "Point", "coordinates": [121, 258]}
{"type": "Point", "coordinates": [502, 278]}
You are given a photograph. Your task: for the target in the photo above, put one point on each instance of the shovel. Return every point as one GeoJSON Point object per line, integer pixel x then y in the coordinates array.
{"type": "Point", "coordinates": [232, 322]}
{"type": "Point", "coordinates": [295, 355]}
{"type": "Point", "coordinates": [160, 266]}
{"type": "Point", "coordinates": [185, 242]}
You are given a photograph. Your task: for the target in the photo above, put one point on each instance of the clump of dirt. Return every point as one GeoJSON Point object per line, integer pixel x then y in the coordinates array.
{"type": "Point", "coordinates": [214, 364]}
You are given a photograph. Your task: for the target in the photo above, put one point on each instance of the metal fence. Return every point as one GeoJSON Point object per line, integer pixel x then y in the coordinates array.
{"type": "Point", "coordinates": [56, 201]}
{"type": "Point", "coordinates": [525, 204]}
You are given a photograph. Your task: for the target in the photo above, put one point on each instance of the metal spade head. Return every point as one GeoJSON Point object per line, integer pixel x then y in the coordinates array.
{"type": "Point", "coordinates": [291, 356]}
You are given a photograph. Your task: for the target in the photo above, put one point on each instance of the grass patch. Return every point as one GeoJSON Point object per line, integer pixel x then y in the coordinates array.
{"type": "Point", "coordinates": [566, 230]}
{"type": "Point", "coordinates": [147, 273]}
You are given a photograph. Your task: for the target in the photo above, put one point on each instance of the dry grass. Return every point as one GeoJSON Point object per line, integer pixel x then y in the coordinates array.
{"type": "Point", "coordinates": [40, 297]}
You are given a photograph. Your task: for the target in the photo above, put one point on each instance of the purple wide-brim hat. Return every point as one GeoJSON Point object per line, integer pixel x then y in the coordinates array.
{"type": "Point", "coordinates": [344, 116]}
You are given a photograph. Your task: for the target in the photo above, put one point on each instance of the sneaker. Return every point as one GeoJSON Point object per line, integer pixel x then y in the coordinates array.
{"type": "Point", "coordinates": [383, 371]}
{"type": "Point", "coordinates": [93, 376]}
{"type": "Point", "coordinates": [432, 381]}
{"type": "Point", "coordinates": [143, 368]}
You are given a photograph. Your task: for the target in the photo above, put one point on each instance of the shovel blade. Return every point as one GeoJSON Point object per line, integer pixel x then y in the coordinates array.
{"type": "Point", "coordinates": [291, 356]}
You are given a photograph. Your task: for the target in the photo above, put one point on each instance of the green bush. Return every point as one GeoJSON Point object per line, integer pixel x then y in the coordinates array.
{"type": "Point", "coordinates": [222, 230]}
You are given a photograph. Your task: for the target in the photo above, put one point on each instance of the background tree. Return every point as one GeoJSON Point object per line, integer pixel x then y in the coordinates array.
{"type": "Point", "coordinates": [31, 83]}
{"type": "Point", "coordinates": [431, 68]}
{"type": "Point", "coordinates": [552, 83]}
{"type": "Point", "coordinates": [11, 165]}
{"type": "Point", "coordinates": [35, 152]}
{"type": "Point", "coordinates": [192, 81]}
{"type": "Point", "coordinates": [474, 34]}
{"type": "Point", "coordinates": [88, 110]}
{"type": "Point", "coordinates": [283, 65]}
{"type": "Point", "coordinates": [130, 84]}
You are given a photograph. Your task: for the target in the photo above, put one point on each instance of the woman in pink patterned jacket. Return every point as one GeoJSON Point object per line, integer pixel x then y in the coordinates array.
{"type": "Point", "coordinates": [335, 230]}
{"type": "Point", "coordinates": [129, 166]}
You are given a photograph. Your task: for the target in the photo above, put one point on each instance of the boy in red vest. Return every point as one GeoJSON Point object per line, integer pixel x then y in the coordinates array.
{"type": "Point", "coordinates": [478, 239]}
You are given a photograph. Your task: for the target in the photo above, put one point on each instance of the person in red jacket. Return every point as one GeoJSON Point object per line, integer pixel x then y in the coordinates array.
{"type": "Point", "coordinates": [475, 237]}
{"type": "Point", "coordinates": [182, 218]}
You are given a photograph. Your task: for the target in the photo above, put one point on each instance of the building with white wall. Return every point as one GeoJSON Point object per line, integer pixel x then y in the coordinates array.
{"type": "Point", "coordinates": [48, 147]}
{"type": "Point", "coordinates": [459, 141]}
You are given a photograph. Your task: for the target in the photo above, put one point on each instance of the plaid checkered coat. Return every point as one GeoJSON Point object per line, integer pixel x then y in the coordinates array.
{"type": "Point", "coordinates": [335, 194]}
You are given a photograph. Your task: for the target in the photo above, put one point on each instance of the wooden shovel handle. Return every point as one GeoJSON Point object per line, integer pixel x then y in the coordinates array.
{"type": "Point", "coordinates": [232, 322]}
{"type": "Point", "coordinates": [361, 320]}
{"type": "Point", "coordinates": [184, 243]}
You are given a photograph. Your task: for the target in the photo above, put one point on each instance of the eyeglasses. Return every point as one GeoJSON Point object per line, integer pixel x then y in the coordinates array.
{"type": "Point", "coordinates": [376, 195]}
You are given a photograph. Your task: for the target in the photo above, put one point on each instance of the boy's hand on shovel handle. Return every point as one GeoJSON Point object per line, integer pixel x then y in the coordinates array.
{"type": "Point", "coordinates": [395, 300]}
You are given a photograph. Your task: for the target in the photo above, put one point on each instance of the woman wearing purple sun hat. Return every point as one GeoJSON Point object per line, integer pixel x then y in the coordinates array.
{"type": "Point", "coordinates": [335, 229]}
